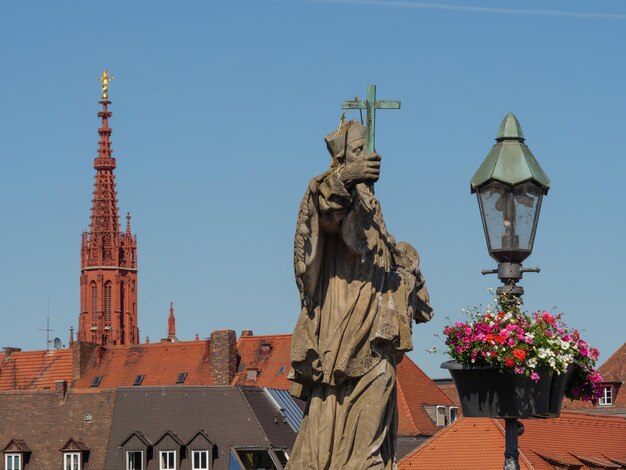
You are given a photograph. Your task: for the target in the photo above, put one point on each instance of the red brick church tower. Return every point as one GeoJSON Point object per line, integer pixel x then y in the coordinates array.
{"type": "Point", "coordinates": [108, 279]}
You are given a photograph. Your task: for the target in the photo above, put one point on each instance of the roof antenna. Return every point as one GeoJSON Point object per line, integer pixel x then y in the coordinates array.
{"type": "Point", "coordinates": [47, 328]}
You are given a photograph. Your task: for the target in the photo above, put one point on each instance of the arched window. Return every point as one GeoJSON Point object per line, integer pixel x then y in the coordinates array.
{"type": "Point", "coordinates": [94, 304]}
{"type": "Point", "coordinates": [107, 303]}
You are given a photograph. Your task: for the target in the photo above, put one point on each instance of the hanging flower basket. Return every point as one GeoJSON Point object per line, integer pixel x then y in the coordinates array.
{"type": "Point", "coordinates": [486, 392]}
{"type": "Point", "coordinates": [509, 364]}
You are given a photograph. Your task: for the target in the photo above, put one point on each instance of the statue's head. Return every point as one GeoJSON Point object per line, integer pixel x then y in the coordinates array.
{"type": "Point", "coordinates": [346, 143]}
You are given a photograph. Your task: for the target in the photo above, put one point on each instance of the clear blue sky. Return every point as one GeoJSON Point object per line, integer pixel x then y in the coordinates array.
{"type": "Point", "coordinates": [219, 109]}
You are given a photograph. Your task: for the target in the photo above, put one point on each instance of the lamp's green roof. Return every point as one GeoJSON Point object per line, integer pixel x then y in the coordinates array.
{"type": "Point", "coordinates": [510, 161]}
{"type": "Point", "coordinates": [510, 128]}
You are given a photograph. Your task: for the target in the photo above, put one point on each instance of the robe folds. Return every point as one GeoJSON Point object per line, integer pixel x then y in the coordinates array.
{"type": "Point", "coordinates": [360, 292]}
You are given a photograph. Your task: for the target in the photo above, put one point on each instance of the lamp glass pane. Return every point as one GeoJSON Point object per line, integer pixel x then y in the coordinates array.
{"type": "Point", "coordinates": [510, 217]}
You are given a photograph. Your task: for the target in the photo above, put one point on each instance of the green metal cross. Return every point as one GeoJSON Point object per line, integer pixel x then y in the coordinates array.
{"type": "Point", "coordinates": [371, 105]}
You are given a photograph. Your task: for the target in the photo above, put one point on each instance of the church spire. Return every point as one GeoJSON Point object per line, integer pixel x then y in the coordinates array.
{"type": "Point", "coordinates": [108, 256]}
{"type": "Point", "coordinates": [104, 229]}
{"type": "Point", "coordinates": [171, 325]}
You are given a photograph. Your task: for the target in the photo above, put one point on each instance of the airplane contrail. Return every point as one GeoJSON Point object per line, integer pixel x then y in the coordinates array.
{"type": "Point", "coordinates": [476, 9]}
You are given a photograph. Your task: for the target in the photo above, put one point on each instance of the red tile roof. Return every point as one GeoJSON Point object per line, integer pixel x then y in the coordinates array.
{"type": "Point", "coordinates": [264, 362]}
{"type": "Point", "coordinates": [478, 443]}
{"type": "Point", "coordinates": [35, 369]}
{"type": "Point", "coordinates": [467, 444]}
{"type": "Point", "coordinates": [415, 390]}
{"type": "Point", "coordinates": [268, 360]}
{"type": "Point", "coordinates": [159, 363]}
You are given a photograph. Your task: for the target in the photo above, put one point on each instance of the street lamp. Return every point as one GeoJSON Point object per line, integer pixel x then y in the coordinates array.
{"type": "Point", "coordinates": [510, 185]}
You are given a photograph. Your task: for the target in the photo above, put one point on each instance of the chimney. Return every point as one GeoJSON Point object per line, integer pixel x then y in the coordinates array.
{"type": "Point", "coordinates": [8, 351]}
{"type": "Point", "coordinates": [61, 388]}
{"type": "Point", "coordinates": [82, 353]}
{"type": "Point", "coordinates": [246, 333]}
{"type": "Point", "coordinates": [206, 354]}
{"type": "Point", "coordinates": [223, 356]}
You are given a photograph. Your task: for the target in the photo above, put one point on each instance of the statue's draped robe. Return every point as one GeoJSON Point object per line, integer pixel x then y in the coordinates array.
{"type": "Point", "coordinates": [358, 302]}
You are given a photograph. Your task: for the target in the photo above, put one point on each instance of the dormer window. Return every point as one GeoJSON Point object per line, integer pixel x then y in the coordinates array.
{"type": "Point", "coordinates": [16, 454]}
{"type": "Point", "coordinates": [441, 416]}
{"type": "Point", "coordinates": [71, 460]}
{"type": "Point", "coordinates": [13, 461]}
{"type": "Point", "coordinates": [200, 460]}
{"type": "Point", "coordinates": [200, 448]}
{"type": "Point", "coordinates": [167, 459]}
{"type": "Point", "coordinates": [134, 460]}
{"type": "Point", "coordinates": [74, 454]}
{"type": "Point", "coordinates": [607, 396]}
{"type": "Point", "coordinates": [138, 450]}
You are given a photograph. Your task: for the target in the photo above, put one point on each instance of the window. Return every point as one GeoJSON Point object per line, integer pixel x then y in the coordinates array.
{"type": "Point", "coordinates": [13, 461]}
{"type": "Point", "coordinates": [96, 381]}
{"type": "Point", "coordinates": [71, 461]}
{"type": "Point", "coordinates": [199, 460]}
{"type": "Point", "coordinates": [253, 459]}
{"type": "Point", "coordinates": [281, 370]}
{"type": "Point", "coordinates": [454, 414]}
{"type": "Point", "coordinates": [107, 303]}
{"type": "Point", "coordinates": [441, 416]}
{"type": "Point", "coordinates": [167, 459]}
{"type": "Point", "coordinates": [607, 395]}
{"type": "Point", "coordinates": [94, 304]}
{"type": "Point", "coordinates": [138, 379]}
{"type": "Point", "coordinates": [134, 460]}
{"type": "Point", "coordinates": [181, 378]}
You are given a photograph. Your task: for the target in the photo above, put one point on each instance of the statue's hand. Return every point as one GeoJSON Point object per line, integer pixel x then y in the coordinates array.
{"type": "Point", "coordinates": [363, 170]}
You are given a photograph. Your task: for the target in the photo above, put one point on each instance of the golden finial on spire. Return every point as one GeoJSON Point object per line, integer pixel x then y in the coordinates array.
{"type": "Point", "coordinates": [105, 79]}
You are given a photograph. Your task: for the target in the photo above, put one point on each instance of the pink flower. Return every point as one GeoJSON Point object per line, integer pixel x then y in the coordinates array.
{"type": "Point", "coordinates": [549, 319]}
{"type": "Point", "coordinates": [534, 376]}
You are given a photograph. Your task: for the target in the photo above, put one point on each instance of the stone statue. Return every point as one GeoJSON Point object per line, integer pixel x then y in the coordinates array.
{"type": "Point", "coordinates": [360, 292]}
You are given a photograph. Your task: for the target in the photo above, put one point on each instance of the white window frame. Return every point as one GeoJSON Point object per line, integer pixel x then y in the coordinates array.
{"type": "Point", "coordinates": [456, 414]}
{"type": "Point", "coordinates": [15, 457]}
{"type": "Point", "coordinates": [140, 452]}
{"type": "Point", "coordinates": [440, 412]}
{"type": "Point", "coordinates": [72, 465]}
{"type": "Point", "coordinates": [208, 461]}
{"type": "Point", "coordinates": [161, 453]}
{"type": "Point", "coordinates": [607, 396]}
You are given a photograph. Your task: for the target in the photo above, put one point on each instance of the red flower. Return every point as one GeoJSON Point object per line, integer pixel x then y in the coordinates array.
{"type": "Point", "coordinates": [509, 362]}
{"type": "Point", "coordinates": [519, 354]}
